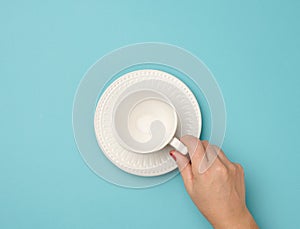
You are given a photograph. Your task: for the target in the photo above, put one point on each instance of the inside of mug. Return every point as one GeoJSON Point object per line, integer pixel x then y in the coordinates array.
{"type": "Point", "coordinates": [144, 121]}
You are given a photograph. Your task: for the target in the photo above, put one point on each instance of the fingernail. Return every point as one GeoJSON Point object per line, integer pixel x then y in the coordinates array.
{"type": "Point", "coordinates": [172, 155]}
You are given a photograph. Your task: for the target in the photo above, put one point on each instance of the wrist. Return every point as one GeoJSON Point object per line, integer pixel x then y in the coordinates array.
{"type": "Point", "coordinates": [244, 221]}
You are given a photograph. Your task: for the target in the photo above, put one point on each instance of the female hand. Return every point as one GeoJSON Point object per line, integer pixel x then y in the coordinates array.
{"type": "Point", "coordinates": [216, 186]}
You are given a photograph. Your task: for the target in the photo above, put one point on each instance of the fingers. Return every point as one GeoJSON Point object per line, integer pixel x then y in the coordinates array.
{"type": "Point", "coordinates": [191, 143]}
{"type": "Point", "coordinates": [202, 154]}
{"type": "Point", "coordinates": [181, 160]}
{"type": "Point", "coordinates": [222, 155]}
{"type": "Point", "coordinates": [205, 143]}
{"type": "Point", "coordinates": [195, 149]}
{"type": "Point", "coordinates": [214, 155]}
{"type": "Point", "coordinates": [184, 167]}
{"type": "Point", "coordinates": [210, 159]}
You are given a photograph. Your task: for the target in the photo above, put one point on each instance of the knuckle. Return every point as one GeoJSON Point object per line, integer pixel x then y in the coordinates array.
{"type": "Point", "coordinates": [218, 150]}
{"type": "Point", "coordinates": [221, 169]}
{"type": "Point", "coordinates": [240, 168]}
{"type": "Point", "coordinates": [216, 147]}
{"type": "Point", "coordinates": [205, 142]}
{"type": "Point", "coordinates": [233, 167]}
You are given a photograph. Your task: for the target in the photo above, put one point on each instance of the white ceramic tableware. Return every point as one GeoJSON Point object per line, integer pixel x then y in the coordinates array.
{"type": "Point", "coordinates": [145, 121]}
{"type": "Point", "coordinates": [188, 113]}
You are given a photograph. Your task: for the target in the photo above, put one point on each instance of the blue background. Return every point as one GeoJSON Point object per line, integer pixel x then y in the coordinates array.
{"type": "Point", "coordinates": [46, 47]}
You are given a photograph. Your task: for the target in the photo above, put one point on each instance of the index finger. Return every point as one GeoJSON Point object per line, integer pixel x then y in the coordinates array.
{"type": "Point", "coordinates": [195, 149]}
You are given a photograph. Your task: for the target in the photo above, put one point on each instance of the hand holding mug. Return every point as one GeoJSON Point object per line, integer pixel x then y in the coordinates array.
{"type": "Point", "coordinates": [219, 190]}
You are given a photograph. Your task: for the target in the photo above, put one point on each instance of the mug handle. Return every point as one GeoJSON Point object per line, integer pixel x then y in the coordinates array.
{"type": "Point", "coordinates": [179, 146]}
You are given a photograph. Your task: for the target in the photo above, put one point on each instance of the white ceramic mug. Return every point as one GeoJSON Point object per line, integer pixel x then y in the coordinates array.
{"type": "Point", "coordinates": [145, 121]}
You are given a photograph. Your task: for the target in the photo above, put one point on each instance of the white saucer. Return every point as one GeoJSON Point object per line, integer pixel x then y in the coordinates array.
{"type": "Point", "coordinates": [187, 108]}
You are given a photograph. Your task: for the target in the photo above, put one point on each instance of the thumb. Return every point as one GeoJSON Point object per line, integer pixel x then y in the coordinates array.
{"type": "Point", "coordinates": [184, 167]}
